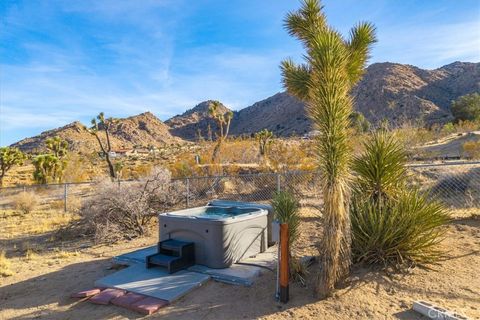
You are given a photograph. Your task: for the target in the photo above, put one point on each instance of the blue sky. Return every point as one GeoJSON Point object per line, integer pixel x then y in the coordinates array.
{"type": "Point", "coordinates": [62, 61]}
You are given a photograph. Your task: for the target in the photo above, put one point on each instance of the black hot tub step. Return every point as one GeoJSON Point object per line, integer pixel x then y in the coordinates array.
{"type": "Point", "coordinates": [161, 260]}
{"type": "Point", "coordinates": [174, 255]}
{"type": "Point", "coordinates": [174, 245]}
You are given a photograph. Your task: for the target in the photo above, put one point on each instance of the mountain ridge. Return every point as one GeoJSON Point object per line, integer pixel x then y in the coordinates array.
{"type": "Point", "coordinates": [392, 91]}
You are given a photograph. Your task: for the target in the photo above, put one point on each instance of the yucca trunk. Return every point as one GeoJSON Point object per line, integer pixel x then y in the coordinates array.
{"type": "Point", "coordinates": [332, 66]}
{"type": "Point", "coordinates": [335, 254]}
{"type": "Point", "coordinates": [329, 109]}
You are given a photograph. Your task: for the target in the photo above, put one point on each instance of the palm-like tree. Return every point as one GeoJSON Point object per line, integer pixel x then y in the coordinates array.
{"type": "Point", "coordinates": [223, 120]}
{"type": "Point", "coordinates": [98, 124]}
{"type": "Point", "coordinates": [332, 66]}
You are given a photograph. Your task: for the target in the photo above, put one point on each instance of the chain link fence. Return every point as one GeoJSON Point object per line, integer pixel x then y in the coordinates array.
{"type": "Point", "coordinates": [457, 185]}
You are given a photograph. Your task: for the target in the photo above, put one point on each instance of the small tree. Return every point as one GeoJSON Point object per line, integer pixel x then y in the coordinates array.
{"type": "Point", "coordinates": [359, 122]}
{"type": "Point", "coordinates": [223, 120]}
{"type": "Point", "coordinates": [264, 139]}
{"type": "Point", "coordinates": [57, 146]}
{"type": "Point", "coordinates": [101, 124]}
{"type": "Point", "coordinates": [333, 65]}
{"type": "Point", "coordinates": [119, 166]}
{"type": "Point", "coordinates": [9, 157]}
{"type": "Point", "coordinates": [467, 107]}
{"type": "Point", "coordinates": [48, 169]}
{"type": "Point", "coordinates": [209, 133]}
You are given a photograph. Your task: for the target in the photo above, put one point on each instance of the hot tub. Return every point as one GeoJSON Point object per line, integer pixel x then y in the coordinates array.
{"type": "Point", "coordinates": [222, 234]}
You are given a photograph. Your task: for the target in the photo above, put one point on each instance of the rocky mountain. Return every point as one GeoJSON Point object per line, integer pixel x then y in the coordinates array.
{"type": "Point", "coordinates": [281, 113]}
{"type": "Point", "coordinates": [142, 130]}
{"type": "Point", "coordinates": [194, 122]}
{"type": "Point", "coordinates": [402, 92]}
{"type": "Point", "coordinates": [389, 91]}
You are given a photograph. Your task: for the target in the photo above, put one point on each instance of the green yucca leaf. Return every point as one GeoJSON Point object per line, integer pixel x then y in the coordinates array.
{"type": "Point", "coordinates": [286, 209]}
{"type": "Point", "coordinates": [391, 226]}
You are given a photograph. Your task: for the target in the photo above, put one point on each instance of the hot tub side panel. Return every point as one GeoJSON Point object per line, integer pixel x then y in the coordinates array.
{"type": "Point", "coordinates": [243, 239]}
{"type": "Point", "coordinates": [218, 244]}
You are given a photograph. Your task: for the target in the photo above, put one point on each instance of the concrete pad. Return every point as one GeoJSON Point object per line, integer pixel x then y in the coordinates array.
{"type": "Point", "coordinates": [126, 300]}
{"type": "Point", "coordinates": [266, 259]}
{"type": "Point", "coordinates": [238, 273]}
{"type": "Point", "coordinates": [148, 305]}
{"type": "Point", "coordinates": [86, 293]}
{"type": "Point", "coordinates": [106, 296]}
{"type": "Point", "coordinates": [154, 282]}
{"type": "Point", "coordinates": [138, 256]}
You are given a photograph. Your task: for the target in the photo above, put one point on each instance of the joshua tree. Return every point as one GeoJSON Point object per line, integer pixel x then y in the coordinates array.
{"type": "Point", "coordinates": [57, 146]}
{"type": "Point", "coordinates": [209, 132]}
{"type": "Point", "coordinates": [332, 66]}
{"type": "Point", "coordinates": [48, 168]}
{"type": "Point", "coordinates": [199, 135]}
{"type": "Point", "coordinates": [264, 139]}
{"type": "Point", "coordinates": [8, 158]}
{"type": "Point", "coordinates": [102, 124]}
{"type": "Point", "coordinates": [223, 120]}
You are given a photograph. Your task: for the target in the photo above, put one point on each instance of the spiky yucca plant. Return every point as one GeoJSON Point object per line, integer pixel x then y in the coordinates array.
{"type": "Point", "coordinates": [332, 66]}
{"type": "Point", "coordinates": [392, 224]}
{"type": "Point", "coordinates": [286, 209]}
{"type": "Point", "coordinates": [381, 168]}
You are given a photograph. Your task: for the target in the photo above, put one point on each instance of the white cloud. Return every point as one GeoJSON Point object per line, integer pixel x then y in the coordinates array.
{"type": "Point", "coordinates": [430, 45]}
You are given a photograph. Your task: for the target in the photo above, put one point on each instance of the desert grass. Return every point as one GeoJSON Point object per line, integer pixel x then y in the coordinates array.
{"type": "Point", "coordinates": [13, 224]}
{"type": "Point", "coordinates": [31, 254]}
{"type": "Point", "coordinates": [26, 202]}
{"type": "Point", "coordinates": [5, 265]}
{"type": "Point", "coordinates": [62, 254]}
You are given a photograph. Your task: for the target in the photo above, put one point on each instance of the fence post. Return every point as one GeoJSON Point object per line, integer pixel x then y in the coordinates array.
{"type": "Point", "coordinates": [65, 196]}
{"type": "Point", "coordinates": [278, 183]}
{"type": "Point", "coordinates": [187, 193]}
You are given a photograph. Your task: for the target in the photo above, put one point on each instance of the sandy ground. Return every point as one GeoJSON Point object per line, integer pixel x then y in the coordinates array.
{"type": "Point", "coordinates": [41, 285]}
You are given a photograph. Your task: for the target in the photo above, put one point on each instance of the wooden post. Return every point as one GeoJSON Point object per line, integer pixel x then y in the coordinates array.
{"type": "Point", "coordinates": [284, 272]}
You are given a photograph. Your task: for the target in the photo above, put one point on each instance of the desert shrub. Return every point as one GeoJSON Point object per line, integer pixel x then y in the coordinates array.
{"type": "Point", "coordinates": [74, 204]}
{"type": "Point", "coordinates": [403, 232]}
{"type": "Point", "coordinates": [286, 209]}
{"type": "Point", "coordinates": [5, 265]}
{"type": "Point", "coordinates": [467, 107]}
{"type": "Point", "coordinates": [125, 211]}
{"type": "Point", "coordinates": [290, 155]}
{"type": "Point", "coordinates": [471, 149]}
{"type": "Point", "coordinates": [239, 151]}
{"type": "Point", "coordinates": [392, 225]}
{"type": "Point", "coordinates": [26, 202]}
{"type": "Point", "coordinates": [78, 168]}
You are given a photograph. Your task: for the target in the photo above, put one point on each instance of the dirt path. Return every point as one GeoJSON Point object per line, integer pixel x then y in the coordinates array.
{"type": "Point", "coordinates": [41, 286]}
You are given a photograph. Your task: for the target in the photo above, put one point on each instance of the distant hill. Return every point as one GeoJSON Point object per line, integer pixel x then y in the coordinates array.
{"type": "Point", "coordinates": [390, 91]}
{"type": "Point", "coordinates": [399, 92]}
{"type": "Point", "coordinates": [141, 130]}
{"type": "Point", "coordinates": [281, 113]}
{"type": "Point", "coordinates": [194, 121]}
